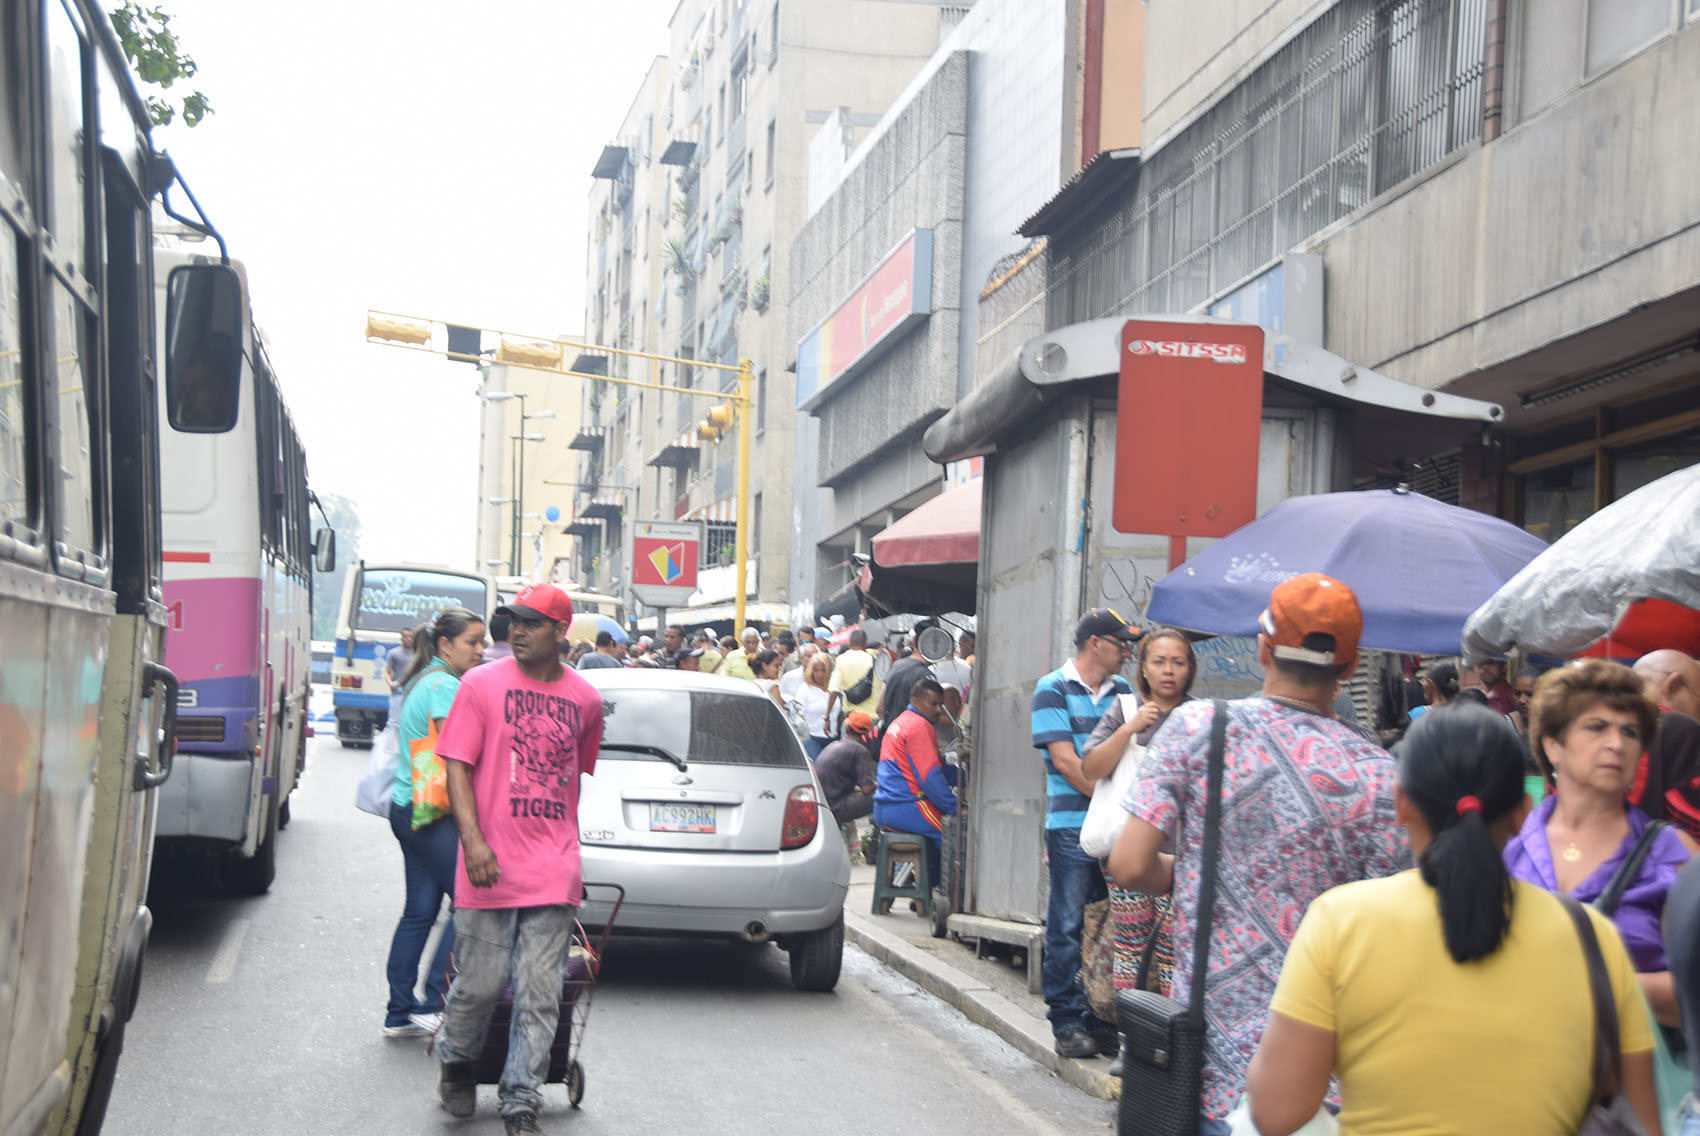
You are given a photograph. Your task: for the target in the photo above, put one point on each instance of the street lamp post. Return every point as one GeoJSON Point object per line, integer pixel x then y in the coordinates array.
{"type": "Point", "coordinates": [519, 467]}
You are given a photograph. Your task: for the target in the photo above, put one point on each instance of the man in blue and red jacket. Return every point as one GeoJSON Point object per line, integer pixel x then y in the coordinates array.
{"type": "Point", "coordinates": [914, 789]}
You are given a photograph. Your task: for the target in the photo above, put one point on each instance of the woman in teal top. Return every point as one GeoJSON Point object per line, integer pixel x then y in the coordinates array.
{"type": "Point", "coordinates": [454, 645]}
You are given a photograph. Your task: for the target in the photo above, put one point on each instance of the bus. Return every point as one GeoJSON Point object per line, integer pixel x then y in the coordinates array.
{"type": "Point", "coordinates": [584, 603]}
{"type": "Point", "coordinates": [379, 602]}
{"type": "Point", "coordinates": [87, 705]}
{"type": "Point", "coordinates": [239, 555]}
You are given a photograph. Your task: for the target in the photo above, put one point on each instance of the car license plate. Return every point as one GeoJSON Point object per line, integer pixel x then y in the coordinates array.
{"type": "Point", "coordinates": [680, 818]}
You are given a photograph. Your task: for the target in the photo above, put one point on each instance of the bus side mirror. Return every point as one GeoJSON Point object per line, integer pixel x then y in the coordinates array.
{"type": "Point", "coordinates": [324, 550]}
{"type": "Point", "coordinates": [203, 348]}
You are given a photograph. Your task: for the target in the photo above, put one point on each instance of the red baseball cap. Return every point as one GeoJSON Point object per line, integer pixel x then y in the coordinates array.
{"type": "Point", "coordinates": [540, 601]}
{"type": "Point", "coordinates": [1313, 604]}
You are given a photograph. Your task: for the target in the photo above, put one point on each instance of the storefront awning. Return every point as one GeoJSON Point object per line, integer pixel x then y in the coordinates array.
{"type": "Point", "coordinates": [945, 530]}
{"type": "Point", "coordinates": [606, 506]}
{"type": "Point", "coordinates": [721, 512]}
{"type": "Point", "coordinates": [584, 526]}
{"type": "Point", "coordinates": [588, 438]}
{"type": "Point", "coordinates": [1048, 365]}
{"type": "Point", "coordinates": [681, 451]}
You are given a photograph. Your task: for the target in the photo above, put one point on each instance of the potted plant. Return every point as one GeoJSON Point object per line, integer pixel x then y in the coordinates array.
{"type": "Point", "coordinates": [678, 259]}
{"type": "Point", "coordinates": [760, 289]}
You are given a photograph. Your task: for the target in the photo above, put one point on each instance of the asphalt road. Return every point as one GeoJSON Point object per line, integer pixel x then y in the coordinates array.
{"type": "Point", "coordinates": [262, 1016]}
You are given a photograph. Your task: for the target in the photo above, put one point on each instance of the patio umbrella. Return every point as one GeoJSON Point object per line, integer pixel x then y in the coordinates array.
{"type": "Point", "coordinates": [1419, 566]}
{"type": "Point", "coordinates": [585, 625]}
{"type": "Point", "coordinates": [1585, 586]}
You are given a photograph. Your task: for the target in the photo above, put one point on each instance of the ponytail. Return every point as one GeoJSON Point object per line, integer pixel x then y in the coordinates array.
{"type": "Point", "coordinates": [1461, 766]}
{"type": "Point", "coordinates": [449, 624]}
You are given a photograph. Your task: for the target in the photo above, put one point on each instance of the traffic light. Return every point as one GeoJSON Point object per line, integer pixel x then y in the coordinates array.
{"type": "Point", "coordinates": [719, 420]}
{"type": "Point", "coordinates": [398, 331]}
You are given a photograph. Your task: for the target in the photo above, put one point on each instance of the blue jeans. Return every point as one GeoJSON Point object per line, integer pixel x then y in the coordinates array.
{"type": "Point", "coordinates": [428, 858]}
{"type": "Point", "coordinates": [814, 744]}
{"type": "Point", "coordinates": [526, 946]}
{"type": "Point", "coordinates": [1688, 1117]}
{"type": "Point", "coordinates": [1076, 880]}
{"type": "Point", "coordinates": [1209, 1127]}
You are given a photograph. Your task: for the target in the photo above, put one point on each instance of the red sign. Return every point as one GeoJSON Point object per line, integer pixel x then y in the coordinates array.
{"type": "Point", "coordinates": [896, 293]}
{"type": "Point", "coordinates": [665, 560]}
{"type": "Point", "coordinates": [1189, 411]}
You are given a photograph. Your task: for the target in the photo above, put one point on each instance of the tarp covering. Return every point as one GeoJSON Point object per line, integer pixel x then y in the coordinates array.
{"type": "Point", "coordinates": [1646, 546]}
{"type": "Point", "coordinates": [945, 530]}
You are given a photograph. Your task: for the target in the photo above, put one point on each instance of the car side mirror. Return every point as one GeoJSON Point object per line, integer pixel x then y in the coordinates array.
{"type": "Point", "coordinates": [203, 348]}
{"type": "Point", "coordinates": [324, 550]}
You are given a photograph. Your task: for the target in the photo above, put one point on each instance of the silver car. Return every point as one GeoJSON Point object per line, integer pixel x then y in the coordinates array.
{"type": "Point", "coordinates": [705, 809]}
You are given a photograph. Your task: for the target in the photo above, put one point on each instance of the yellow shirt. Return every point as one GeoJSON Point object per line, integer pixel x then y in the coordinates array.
{"type": "Point", "coordinates": [847, 672]}
{"type": "Point", "coordinates": [1425, 1045]}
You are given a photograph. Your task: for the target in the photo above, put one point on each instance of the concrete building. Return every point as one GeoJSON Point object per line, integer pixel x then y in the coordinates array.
{"type": "Point", "coordinates": [693, 209]}
{"type": "Point", "coordinates": [528, 419]}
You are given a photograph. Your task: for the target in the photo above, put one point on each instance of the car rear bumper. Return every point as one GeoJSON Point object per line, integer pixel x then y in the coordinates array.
{"type": "Point", "coordinates": [720, 893]}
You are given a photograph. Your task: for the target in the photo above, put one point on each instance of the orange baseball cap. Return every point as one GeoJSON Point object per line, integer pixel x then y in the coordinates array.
{"type": "Point", "coordinates": [859, 722]}
{"type": "Point", "coordinates": [1313, 604]}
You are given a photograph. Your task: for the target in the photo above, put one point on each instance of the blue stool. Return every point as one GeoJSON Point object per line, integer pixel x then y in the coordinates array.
{"type": "Point", "coordinates": [901, 848]}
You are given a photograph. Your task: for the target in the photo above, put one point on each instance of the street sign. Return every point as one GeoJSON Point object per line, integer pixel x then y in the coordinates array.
{"type": "Point", "coordinates": [664, 561]}
{"type": "Point", "coordinates": [1189, 412]}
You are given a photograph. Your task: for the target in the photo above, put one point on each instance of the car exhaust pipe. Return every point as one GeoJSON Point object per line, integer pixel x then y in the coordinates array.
{"type": "Point", "coordinates": [755, 932]}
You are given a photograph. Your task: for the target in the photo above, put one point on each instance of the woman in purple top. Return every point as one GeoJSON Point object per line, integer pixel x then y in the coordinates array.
{"type": "Point", "coordinates": [1589, 724]}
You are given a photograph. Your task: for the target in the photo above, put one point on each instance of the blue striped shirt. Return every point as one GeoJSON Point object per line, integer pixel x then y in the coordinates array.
{"type": "Point", "coordinates": [1065, 709]}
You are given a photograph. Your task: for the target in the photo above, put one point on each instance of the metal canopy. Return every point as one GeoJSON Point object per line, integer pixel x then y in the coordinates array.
{"type": "Point", "coordinates": [1048, 364]}
{"type": "Point", "coordinates": [681, 451]}
{"type": "Point", "coordinates": [679, 152]}
{"type": "Point", "coordinates": [588, 438]}
{"type": "Point", "coordinates": [612, 162]}
{"type": "Point", "coordinates": [606, 506]}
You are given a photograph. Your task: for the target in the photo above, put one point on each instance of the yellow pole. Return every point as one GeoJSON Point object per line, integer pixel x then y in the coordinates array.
{"type": "Point", "coordinates": [741, 534]}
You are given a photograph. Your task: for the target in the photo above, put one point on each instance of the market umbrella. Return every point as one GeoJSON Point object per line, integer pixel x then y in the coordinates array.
{"type": "Point", "coordinates": [585, 625]}
{"type": "Point", "coordinates": [1419, 566]}
{"type": "Point", "coordinates": [1585, 586]}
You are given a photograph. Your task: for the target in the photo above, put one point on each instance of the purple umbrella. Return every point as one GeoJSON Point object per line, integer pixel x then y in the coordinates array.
{"type": "Point", "coordinates": [1419, 566]}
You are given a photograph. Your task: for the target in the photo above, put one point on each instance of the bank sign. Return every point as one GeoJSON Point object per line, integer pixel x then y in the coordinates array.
{"type": "Point", "coordinates": [664, 561]}
{"type": "Point", "coordinates": [892, 298]}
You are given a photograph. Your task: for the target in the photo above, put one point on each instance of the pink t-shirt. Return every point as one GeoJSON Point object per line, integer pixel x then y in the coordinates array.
{"type": "Point", "coordinates": [527, 743]}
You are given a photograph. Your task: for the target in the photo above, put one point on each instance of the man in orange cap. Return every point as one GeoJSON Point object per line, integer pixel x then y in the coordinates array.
{"type": "Point", "coordinates": [1307, 805]}
{"type": "Point", "coordinates": [846, 771]}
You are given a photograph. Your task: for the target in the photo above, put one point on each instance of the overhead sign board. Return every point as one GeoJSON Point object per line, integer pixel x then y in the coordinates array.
{"type": "Point", "coordinates": [895, 295]}
{"type": "Point", "coordinates": [664, 556]}
{"type": "Point", "coordinates": [1189, 411]}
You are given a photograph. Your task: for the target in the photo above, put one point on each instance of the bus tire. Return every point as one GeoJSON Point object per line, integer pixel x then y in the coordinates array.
{"type": "Point", "coordinates": [283, 816]}
{"type": "Point", "coordinates": [254, 875]}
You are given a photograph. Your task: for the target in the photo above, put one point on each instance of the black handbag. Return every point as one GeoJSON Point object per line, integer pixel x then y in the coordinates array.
{"type": "Point", "coordinates": [1609, 1112]}
{"type": "Point", "coordinates": [1163, 1041]}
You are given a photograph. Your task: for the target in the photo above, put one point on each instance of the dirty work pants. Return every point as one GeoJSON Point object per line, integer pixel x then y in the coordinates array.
{"type": "Point", "coordinates": [524, 946]}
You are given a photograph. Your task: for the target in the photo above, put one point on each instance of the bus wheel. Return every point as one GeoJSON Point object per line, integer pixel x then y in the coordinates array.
{"type": "Point", "coordinates": [283, 815]}
{"type": "Point", "coordinates": [254, 876]}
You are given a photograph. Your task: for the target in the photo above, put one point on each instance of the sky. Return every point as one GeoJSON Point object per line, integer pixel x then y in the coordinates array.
{"type": "Point", "coordinates": [426, 158]}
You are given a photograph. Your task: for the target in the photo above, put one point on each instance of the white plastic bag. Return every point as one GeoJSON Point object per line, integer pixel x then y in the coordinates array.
{"type": "Point", "coordinates": [1322, 1124]}
{"type": "Point", "coordinates": [1105, 815]}
{"type": "Point", "coordinates": [377, 784]}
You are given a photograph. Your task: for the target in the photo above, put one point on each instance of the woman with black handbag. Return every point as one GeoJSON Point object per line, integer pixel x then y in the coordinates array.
{"type": "Point", "coordinates": [1454, 998]}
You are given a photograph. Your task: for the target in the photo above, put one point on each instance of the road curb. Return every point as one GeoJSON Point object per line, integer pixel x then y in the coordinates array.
{"type": "Point", "coordinates": [979, 1003]}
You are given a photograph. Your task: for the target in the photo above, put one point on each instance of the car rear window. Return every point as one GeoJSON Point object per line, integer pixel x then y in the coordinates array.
{"type": "Point", "coordinates": [700, 726]}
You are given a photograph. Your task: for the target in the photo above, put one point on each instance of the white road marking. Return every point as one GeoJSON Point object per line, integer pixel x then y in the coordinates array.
{"type": "Point", "coordinates": [224, 962]}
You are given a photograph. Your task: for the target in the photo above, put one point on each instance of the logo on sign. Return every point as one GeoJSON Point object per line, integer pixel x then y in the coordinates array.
{"type": "Point", "coordinates": [669, 561]}
{"type": "Point", "coordinates": [1183, 349]}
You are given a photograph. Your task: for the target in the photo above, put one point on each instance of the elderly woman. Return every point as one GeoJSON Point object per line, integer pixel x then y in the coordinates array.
{"type": "Point", "coordinates": [1589, 723]}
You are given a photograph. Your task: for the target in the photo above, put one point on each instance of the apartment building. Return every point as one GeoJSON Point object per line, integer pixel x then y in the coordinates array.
{"type": "Point", "coordinates": [693, 209]}
{"type": "Point", "coordinates": [526, 473]}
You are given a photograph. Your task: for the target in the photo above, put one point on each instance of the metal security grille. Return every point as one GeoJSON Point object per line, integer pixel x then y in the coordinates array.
{"type": "Point", "coordinates": [1372, 93]}
{"type": "Point", "coordinates": [1440, 477]}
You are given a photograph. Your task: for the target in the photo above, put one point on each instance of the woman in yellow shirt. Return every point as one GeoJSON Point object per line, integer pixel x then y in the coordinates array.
{"type": "Point", "coordinates": [1450, 999]}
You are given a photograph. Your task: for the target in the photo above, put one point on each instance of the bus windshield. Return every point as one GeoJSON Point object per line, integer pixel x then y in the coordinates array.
{"type": "Point", "coordinates": [392, 599]}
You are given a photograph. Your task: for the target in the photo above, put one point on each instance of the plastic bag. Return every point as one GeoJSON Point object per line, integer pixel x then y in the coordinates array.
{"type": "Point", "coordinates": [430, 779]}
{"type": "Point", "coordinates": [377, 785]}
{"type": "Point", "coordinates": [1322, 1124]}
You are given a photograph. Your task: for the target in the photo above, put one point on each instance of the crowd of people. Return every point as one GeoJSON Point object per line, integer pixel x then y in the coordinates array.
{"type": "Point", "coordinates": [1397, 938]}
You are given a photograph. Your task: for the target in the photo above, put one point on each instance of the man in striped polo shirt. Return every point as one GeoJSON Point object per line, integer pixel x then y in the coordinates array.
{"type": "Point", "coordinates": [1067, 704]}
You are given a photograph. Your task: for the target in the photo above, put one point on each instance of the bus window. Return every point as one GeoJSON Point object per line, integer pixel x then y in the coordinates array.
{"type": "Point", "coordinates": [203, 354]}
{"type": "Point", "coordinates": [67, 161]}
{"type": "Point", "coordinates": [76, 459]}
{"type": "Point", "coordinates": [16, 457]}
{"type": "Point", "coordinates": [391, 600]}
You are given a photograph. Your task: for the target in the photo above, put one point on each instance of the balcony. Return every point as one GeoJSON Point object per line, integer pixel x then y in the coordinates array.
{"type": "Point", "coordinates": [589, 439]}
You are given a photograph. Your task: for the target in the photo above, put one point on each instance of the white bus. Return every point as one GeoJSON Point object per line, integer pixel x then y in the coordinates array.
{"type": "Point", "coordinates": [584, 603]}
{"type": "Point", "coordinates": [239, 555]}
{"type": "Point", "coordinates": [379, 602]}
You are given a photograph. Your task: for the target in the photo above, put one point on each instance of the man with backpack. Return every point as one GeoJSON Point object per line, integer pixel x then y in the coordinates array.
{"type": "Point", "coordinates": [853, 679]}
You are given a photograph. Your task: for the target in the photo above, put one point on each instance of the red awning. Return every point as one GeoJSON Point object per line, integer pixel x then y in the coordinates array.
{"type": "Point", "coordinates": [946, 530]}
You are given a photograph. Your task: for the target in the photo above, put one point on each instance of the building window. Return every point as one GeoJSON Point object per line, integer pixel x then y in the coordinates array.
{"type": "Point", "coordinates": [773, 38]}
{"type": "Point", "coordinates": [1618, 29]}
{"type": "Point", "coordinates": [771, 129]}
{"type": "Point", "coordinates": [720, 102]}
{"type": "Point", "coordinates": [718, 542]}
{"type": "Point", "coordinates": [760, 396]}
{"type": "Point", "coordinates": [755, 524]}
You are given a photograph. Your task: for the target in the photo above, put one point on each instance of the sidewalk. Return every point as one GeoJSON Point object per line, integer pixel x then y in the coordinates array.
{"type": "Point", "coordinates": [991, 992]}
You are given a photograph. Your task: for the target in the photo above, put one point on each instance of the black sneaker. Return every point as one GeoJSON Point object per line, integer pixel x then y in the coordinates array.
{"type": "Point", "coordinates": [1109, 1044]}
{"type": "Point", "coordinates": [1076, 1042]}
{"type": "Point", "coordinates": [519, 1123]}
{"type": "Point", "coordinates": [457, 1088]}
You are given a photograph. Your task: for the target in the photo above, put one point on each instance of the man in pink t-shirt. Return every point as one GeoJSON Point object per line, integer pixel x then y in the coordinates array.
{"type": "Point", "coordinates": [520, 733]}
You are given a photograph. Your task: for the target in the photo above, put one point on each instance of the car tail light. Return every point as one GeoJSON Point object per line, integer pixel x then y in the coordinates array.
{"type": "Point", "coordinates": [802, 817]}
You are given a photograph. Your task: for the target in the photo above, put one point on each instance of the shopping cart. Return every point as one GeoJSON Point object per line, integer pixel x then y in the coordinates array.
{"type": "Point", "coordinates": [578, 986]}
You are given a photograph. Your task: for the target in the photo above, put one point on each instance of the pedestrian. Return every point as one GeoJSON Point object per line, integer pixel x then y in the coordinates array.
{"type": "Point", "coordinates": [791, 681]}
{"type": "Point", "coordinates": [521, 734]}
{"type": "Point", "coordinates": [1440, 686]}
{"type": "Point", "coordinates": [765, 667]}
{"type": "Point", "coordinates": [1682, 946]}
{"type": "Point", "coordinates": [1306, 805]}
{"type": "Point", "coordinates": [846, 769]}
{"type": "Point", "coordinates": [1449, 998]}
{"type": "Point", "coordinates": [396, 663]}
{"type": "Point", "coordinates": [740, 664]}
{"type": "Point", "coordinates": [914, 789]}
{"type": "Point", "coordinates": [606, 654]}
{"type": "Point", "coordinates": [688, 659]}
{"type": "Point", "coordinates": [1673, 680]}
{"type": "Point", "coordinates": [709, 660]}
{"type": "Point", "coordinates": [1167, 668]}
{"type": "Point", "coordinates": [816, 701]}
{"type": "Point", "coordinates": [1067, 704]}
{"type": "Point", "coordinates": [786, 644]}
{"type": "Point", "coordinates": [1667, 781]}
{"type": "Point", "coordinates": [444, 650]}
{"type": "Point", "coordinates": [672, 642]}
{"type": "Point", "coordinates": [1591, 721]}
{"type": "Point", "coordinates": [957, 671]}
{"type": "Point", "coordinates": [1490, 673]}
{"type": "Point", "coordinates": [899, 681]}
{"type": "Point", "coordinates": [498, 648]}
{"type": "Point", "coordinates": [853, 674]}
